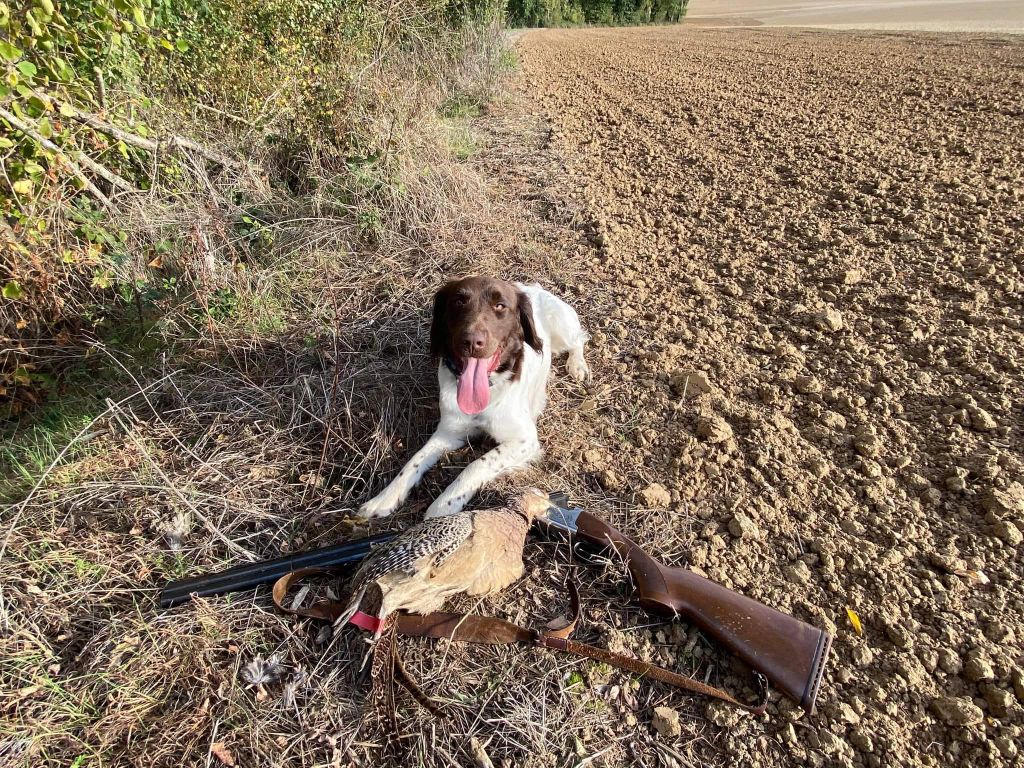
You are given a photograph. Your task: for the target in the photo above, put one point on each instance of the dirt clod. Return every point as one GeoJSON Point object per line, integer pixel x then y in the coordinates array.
{"type": "Point", "coordinates": [666, 722]}
{"type": "Point", "coordinates": [742, 527]}
{"type": "Point", "coordinates": [829, 319]}
{"type": "Point", "coordinates": [1007, 502]}
{"type": "Point", "coordinates": [798, 573]}
{"type": "Point", "coordinates": [999, 700]}
{"type": "Point", "coordinates": [690, 383]}
{"type": "Point", "coordinates": [609, 480]}
{"type": "Point", "coordinates": [714, 429]}
{"type": "Point", "coordinates": [1008, 532]}
{"type": "Point", "coordinates": [982, 420]}
{"type": "Point", "coordinates": [978, 667]}
{"type": "Point", "coordinates": [954, 710]}
{"type": "Point", "coordinates": [656, 496]}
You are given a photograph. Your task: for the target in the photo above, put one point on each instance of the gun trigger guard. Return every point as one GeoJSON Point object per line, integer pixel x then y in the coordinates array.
{"type": "Point", "coordinates": [762, 683]}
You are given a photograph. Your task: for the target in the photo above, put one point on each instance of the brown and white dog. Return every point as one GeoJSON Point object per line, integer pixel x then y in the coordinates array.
{"type": "Point", "coordinates": [494, 341]}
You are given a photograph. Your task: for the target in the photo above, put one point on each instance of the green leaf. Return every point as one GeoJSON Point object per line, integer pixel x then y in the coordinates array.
{"type": "Point", "coordinates": [40, 101]}
{"type": "Point", "coordinates": [165, 43]}
{"type": "Point", "coordinates": [181, 45]}
{"type": "Point", "coordinates": [27, 68]}
{"type": "Point", "coordinates": [140, 17]}
{"type": "Point", "coordinates": [45, 129]}
{"type": "Point", "coordinates": [34, 169]}
{"type": "Point", "coordinates": [12, 290]}
{"type": "Point", "coordinates": [5, 143]}
{"type": "Point", "coordinates": [63, 70]}
{"type": "Point", "coordinates": [102, 279]}
{"type": "Point", "coordinates": [47, 5]}
{"type": "Point", "coordinates": [36, 29]}
{"type": "Point", "coordinates": [8, 52]}
{"type": "Point", "coordinates": [67, 110]}
{"type": "Point", "coordinates": [22, 186]}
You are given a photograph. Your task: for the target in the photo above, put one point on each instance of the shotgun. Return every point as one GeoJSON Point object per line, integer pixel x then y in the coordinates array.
{"type": "Point", "coordinates": [790, 653]}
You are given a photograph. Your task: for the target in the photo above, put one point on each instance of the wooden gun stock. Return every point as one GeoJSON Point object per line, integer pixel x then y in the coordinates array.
{"type": "Point", "coordinates": [789, 652]}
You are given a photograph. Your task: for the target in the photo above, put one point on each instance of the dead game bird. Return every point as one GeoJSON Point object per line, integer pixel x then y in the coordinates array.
{"type": "Point", "coordinates": [478, 552]}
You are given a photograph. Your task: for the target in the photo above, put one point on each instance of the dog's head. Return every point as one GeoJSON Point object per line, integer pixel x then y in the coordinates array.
{"type": "Point", "coordinates": [481, 325]}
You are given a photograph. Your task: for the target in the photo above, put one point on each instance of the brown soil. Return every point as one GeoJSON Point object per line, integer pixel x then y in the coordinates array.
{"type": "Point", "coordinates": [807, 316]}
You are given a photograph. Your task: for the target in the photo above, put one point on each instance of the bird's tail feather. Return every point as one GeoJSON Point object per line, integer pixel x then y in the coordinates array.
{"type": "Point", "coordinates": [350, 609]}
{"type": "Point", "coordinates": [382, 674]}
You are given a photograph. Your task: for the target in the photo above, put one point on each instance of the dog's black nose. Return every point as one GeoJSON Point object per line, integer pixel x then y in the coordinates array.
{"type": "Point", "coordinates": [473, 342]}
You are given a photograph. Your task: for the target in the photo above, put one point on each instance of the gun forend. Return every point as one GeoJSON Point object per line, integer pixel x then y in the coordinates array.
{"type": "Point", "coordinates": [790, 653]}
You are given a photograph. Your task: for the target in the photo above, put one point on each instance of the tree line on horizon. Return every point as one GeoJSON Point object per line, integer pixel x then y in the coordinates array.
{"type": "Point", "coordinates": [556, 13]}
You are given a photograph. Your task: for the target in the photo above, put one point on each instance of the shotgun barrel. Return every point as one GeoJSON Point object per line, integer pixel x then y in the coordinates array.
{"type": "Point", "coordinates": [252, 575]}
{"type": "Point", "coordinates": [790, 653]}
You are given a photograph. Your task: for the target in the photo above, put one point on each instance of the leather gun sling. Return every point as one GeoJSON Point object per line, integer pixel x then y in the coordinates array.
{"type": "Point", "coordinates": [487, 630]}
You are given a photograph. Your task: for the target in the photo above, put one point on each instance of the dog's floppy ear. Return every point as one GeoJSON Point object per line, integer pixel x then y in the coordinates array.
{"type": "Point", "coordinates": [439, 323]}
{"type": "Point", "coordinates": [526, 322]}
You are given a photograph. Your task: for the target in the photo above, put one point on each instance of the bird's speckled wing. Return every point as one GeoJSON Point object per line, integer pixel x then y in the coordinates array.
{"type": "Point", "coordinates": [438, 536]}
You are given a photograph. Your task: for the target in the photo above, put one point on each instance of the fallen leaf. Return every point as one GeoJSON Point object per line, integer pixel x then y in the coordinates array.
{"type": "Point", "coordinates": [157, 263]}
{"type": "Point", "coordinates": [222, 753]}
{"type": "Point", "coordinates": [855, 621]}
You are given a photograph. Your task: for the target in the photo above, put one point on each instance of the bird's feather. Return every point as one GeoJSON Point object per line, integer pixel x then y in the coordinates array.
{"type": "Point", "coordinates": [438, 537]}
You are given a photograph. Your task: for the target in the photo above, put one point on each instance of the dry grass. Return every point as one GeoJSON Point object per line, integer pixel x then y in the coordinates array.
{"type": "Point", "coordinates": [262, 436]}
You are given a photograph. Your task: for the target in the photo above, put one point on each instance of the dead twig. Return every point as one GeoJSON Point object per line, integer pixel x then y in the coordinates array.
{"type": "Point", "coordinates": [228, 115]}
{"type": "Point", "coordinates": [151, 145]}
{"type": "Point", "coordinates": [76, 169]}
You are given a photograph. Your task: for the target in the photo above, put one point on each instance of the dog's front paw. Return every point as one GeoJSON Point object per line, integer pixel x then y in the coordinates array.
{"type": "Point", "coordinates": [446, 505]}
{"type": "Point", "coordinates": [378, 506]}
{"type": "Point", "coordinates": [578, 368]}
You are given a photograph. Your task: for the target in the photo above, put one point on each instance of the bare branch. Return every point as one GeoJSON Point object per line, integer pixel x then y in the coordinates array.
{"type": "Point", "coordinates": [151, 145]}
{"type": "Point", "coordinates": [33, 134]}
{"type": "Point", "coordinates": [228, 115]}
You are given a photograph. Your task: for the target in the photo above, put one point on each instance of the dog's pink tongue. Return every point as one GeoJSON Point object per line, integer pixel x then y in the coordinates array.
{"type": "Point", "coordinates": [473, 391]}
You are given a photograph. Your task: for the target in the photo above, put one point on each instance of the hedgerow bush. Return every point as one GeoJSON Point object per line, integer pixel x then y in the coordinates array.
{"type": "Point", "coordinates": [148, 149]}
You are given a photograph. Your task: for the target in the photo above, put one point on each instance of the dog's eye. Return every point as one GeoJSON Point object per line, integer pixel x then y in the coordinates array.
{"type": "Point", "coordinates": [500, 306]}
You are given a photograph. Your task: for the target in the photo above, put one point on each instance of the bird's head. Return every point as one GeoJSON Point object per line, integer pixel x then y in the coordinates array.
{"type": "Point", "coordinates": [532, 503]}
